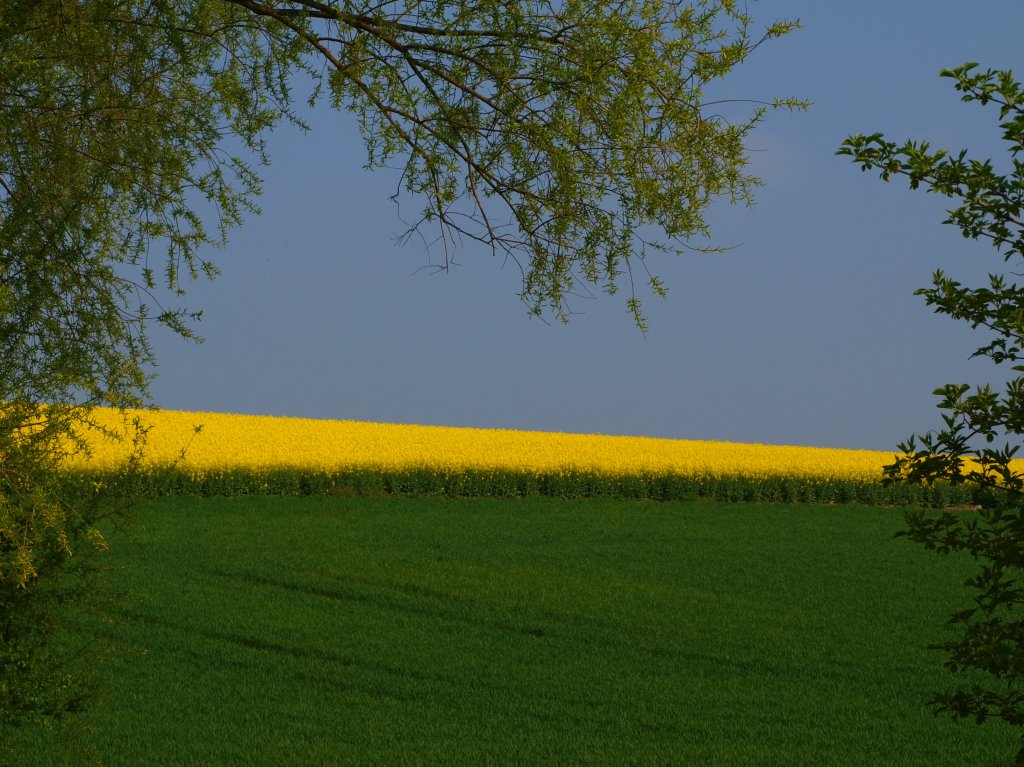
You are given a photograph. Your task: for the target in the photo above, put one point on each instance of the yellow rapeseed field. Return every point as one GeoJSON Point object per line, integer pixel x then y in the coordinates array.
{"type": "Point", "coordinates": [264, 442]}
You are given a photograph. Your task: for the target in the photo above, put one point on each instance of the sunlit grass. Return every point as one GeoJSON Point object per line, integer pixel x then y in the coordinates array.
{"type": "Point", "coordinates": [316, 631]}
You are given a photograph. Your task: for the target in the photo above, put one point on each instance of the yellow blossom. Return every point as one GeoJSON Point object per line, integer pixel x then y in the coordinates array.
{"type": "Point", "coordinates": [263, 442]}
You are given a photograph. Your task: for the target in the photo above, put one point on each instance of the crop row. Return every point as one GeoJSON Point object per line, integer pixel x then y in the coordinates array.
{"type": "Point", "coordinates": [175, 480]}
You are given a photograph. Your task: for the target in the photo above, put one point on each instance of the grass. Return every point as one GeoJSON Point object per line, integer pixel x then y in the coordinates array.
{"type": "Point", "coordinates": [397, 630]}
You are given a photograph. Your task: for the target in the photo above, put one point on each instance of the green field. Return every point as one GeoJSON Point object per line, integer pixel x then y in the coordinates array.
{"type": "Point", "coordinates": [396, 630]}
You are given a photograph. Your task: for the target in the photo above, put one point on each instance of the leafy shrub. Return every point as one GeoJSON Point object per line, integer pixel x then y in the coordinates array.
{"type": "Point", "coordinates": [49, 544]}
{"type": "Point", "coordinates": [963, 452]}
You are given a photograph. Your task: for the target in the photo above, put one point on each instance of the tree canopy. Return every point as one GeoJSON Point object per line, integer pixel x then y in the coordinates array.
{"type": "Point", "coordinates": [554, 133]}
{"type": "Point", "coordinates": [569, 137]}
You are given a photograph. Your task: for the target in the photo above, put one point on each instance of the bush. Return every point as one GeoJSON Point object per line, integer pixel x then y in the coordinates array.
{"type": "Point", "coordinates": [49, 542]}
{"type": "Point", "coordinates": [963, 454]}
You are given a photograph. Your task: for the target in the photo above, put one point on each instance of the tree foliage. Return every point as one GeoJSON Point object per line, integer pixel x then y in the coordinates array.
{"type": "Point", "coordinates": [982, 426]}
{"type": "Point", "coordinates": [569, 137]}
{"type": "Point", "coordinates": [572, 137]}
{"type": "Point", "coordinates": [112, 124]}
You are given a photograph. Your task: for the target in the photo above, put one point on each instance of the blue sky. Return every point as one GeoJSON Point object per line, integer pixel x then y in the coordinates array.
{"type": "Point", "coordinates": [805, 332]}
